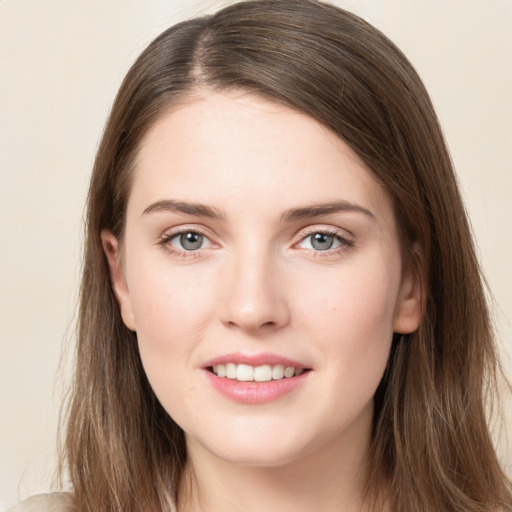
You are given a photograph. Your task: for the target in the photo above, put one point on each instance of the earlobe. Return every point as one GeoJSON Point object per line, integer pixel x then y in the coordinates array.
{"type": "Point", "coordinates": [117, 278]}
{"type": "Point", "coordinates": [409, 307]}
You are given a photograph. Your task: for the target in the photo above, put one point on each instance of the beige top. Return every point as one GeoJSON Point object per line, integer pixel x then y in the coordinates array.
{"type": "Point", "coordinates": [54, 502]}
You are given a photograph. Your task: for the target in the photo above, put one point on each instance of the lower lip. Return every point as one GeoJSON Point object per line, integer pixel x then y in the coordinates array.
{"type": "Point", "coordinates": [255, 392]}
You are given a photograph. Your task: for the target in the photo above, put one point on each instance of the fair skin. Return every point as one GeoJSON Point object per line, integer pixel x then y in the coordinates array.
{"type": "Point", "coordinates": [256, 237]}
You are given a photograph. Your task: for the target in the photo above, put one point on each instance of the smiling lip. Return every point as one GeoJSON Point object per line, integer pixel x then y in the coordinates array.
{"type": "Point", "coordinates": [255, 392]}
{"type": "Point", "coordinates": [253, 360]}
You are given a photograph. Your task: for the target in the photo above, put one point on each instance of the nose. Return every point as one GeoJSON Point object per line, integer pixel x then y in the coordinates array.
{"type": "Point", "coordinates": [254, 296]}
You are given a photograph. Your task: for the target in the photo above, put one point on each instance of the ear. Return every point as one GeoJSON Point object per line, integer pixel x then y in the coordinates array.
{"type": "Point", "coordinates": [409, 306]}
{"type": "Point", "coordinates": [117, 278]}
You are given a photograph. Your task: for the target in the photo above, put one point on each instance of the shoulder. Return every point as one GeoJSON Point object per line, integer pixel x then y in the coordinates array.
{"type": "Point", "coordinates": [54, 502]}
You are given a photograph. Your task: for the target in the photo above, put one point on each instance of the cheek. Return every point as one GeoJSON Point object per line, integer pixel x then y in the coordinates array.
{"type": "Point", "coordinates": [169, 329]}
{"type": "Point", "coordinates": [170, 305]}
{"type": "Point", "coordinates": [356, 304]}
{"type": "Point", "coordinates": [353, 321]}
{"type": "Point", "coordinates": [172, 311]}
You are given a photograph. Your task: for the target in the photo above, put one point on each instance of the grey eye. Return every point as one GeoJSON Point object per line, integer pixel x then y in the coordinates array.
{"type": "Point", "coordinates": [191, 241]}
{"type": "Point", "coordinates": [321, 241]}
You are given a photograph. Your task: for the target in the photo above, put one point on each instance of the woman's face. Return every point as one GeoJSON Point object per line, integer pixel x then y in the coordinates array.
{"type": "Point", "coordinates": [259, 248]}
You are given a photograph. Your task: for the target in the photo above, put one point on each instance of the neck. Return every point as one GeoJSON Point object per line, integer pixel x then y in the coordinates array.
{"type": "Point", "coordinates": [331, 477]}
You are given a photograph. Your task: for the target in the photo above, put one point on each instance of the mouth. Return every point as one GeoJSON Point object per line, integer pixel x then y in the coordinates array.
{"type": "Point", "coordinates": [255, 378]}
{"type": "Point", "coordinates": [261, 373]}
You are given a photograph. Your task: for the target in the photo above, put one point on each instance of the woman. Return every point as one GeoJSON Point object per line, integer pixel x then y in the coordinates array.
{"type": "Point", "coordinates": [281, 307]}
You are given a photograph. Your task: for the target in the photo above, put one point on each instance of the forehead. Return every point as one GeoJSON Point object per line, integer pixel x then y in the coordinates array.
{"type": "Point", "coordinates": [239, 149]}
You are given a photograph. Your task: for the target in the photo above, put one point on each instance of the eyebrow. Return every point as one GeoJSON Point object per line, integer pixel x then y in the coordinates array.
{"type": "Point", "coordinates": [196, 209]}
{"type": "Point", "coordinates": [290, 215]}
{"type": "Point", "coordinates": [317, 210]}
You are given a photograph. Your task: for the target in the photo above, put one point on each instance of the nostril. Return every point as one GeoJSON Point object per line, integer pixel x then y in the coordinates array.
{"type": "Point", "coordinates": [248, 325]}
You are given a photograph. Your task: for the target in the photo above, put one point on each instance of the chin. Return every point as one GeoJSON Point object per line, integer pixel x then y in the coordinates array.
{"type": "Point", "coordinates": [257, 448]}
{"type": "Point", "coordinates": [261, 457]}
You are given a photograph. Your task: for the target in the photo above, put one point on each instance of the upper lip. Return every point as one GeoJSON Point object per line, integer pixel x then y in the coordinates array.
{"type": "Point", "coordinates": [254, 360]}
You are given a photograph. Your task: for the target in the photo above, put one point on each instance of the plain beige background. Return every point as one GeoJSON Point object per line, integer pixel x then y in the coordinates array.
{"type": "Point", "coordinates": [61, 64]}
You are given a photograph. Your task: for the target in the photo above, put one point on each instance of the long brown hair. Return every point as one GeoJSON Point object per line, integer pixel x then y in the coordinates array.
{"type": "Point", "coordinates": [431, 449]}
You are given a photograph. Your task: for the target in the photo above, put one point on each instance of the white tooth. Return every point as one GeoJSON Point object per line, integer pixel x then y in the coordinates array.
{"type": "Point", "coordinates": [289, 371]}
{"type": "Point", "coordinates": [263, 373]}
{"type": "Point", "coordinates": [244, 372]}
{"type": "Point", "coordinates": [214, 370]}
{"type": "Point", "coordinates": [231, 371]}
{"type": "Point", "coordinates": [299, 371]}
{"type": "Point", "coordinates": [220, 370]}
{"type": "Point", "coordinates": [278, 371]}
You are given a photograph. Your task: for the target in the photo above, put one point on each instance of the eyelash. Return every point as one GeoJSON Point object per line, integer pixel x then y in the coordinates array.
{"type": "Point", "coordinates": [167, 238]}
{"type": "Point", "coordinates": [345, 243]}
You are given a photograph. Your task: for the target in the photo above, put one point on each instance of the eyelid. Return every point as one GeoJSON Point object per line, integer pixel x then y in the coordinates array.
{"type": "Point", "coordinates": [344, 234]}
{"type": "Point", "coordinates": [171, 233]}
{"type": "Point", "coordinates": [186, 228]}
{"type": "Point", "coordinates": [345, 239]}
